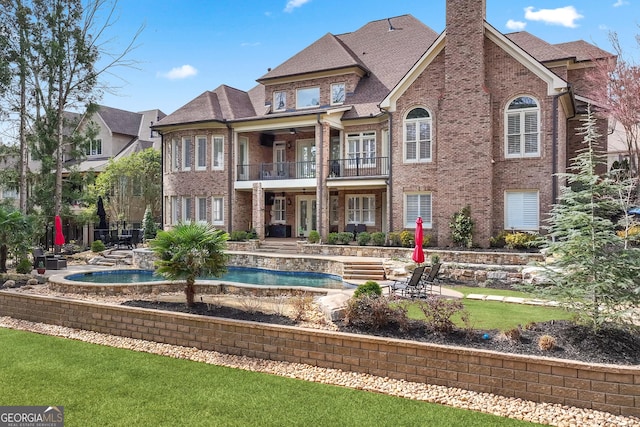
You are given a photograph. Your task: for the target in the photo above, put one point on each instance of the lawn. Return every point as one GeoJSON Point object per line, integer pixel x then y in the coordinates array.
{"type": "Point", "coordinates": [496, 314]}
{"type": "Point", "coordinates": [99, 385]}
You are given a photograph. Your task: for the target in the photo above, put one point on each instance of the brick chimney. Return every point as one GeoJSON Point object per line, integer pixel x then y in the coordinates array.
{"type": "Point", "coordinates": [464, 152]}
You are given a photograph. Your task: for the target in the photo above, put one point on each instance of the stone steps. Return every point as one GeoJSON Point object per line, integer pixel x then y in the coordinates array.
{"type": "Point", "coordinates": [363, 270]}
{"type": "Point", "coordinates": [278, 247]}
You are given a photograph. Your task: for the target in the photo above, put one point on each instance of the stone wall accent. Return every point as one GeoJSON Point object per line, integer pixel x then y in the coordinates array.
{"type": "Point", "coordinates": [609, 388]}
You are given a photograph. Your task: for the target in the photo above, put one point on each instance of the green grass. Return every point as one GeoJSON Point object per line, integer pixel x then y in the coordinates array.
{"type": "Point", "coordinates": [99, 385]}
{"type": "Point", "coordinates": [496, 314]}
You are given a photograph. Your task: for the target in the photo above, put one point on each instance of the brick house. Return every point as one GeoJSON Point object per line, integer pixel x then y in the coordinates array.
{"type": "Point", "coordinates": [382, 125]}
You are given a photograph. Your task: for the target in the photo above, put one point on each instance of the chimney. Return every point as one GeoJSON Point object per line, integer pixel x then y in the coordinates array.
{"type": "Point", "coordinates": [465, 117]}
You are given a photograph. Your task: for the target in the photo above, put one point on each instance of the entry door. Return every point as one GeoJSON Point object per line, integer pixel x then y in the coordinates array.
{"type": "Point", "coordinates": [243, 159]}
{"type": "Point", "coordinates": [279, 159]}
{"type": "Point", "coordinates": [306, 158]}
{"type": "Point", "coordinates": [306, 214]}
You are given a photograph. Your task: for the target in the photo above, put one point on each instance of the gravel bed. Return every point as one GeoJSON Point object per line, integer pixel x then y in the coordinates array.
{"type": "Point", "coordinates": [551, 414]}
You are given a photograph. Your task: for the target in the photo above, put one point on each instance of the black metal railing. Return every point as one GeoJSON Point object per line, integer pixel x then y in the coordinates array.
{"type": "Point", "coordinates": [359, 166]}
{"type": "Point", "coordinates": [275, 171]}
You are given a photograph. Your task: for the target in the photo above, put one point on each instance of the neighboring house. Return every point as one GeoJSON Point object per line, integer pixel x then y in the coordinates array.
{"type": "Point", "coordinates": [119, 134]}
{"type": "Point", "coordinates": [382, 125]}
{"type": "Point", "coordinates": [9, 161]}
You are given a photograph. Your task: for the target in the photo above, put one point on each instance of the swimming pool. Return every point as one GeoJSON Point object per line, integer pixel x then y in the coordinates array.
{"type": "Point", "coordinates": [248, 275]}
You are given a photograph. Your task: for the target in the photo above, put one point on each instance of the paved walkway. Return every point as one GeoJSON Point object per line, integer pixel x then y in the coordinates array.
{"type": "Point", "coordinates": [513, 300]}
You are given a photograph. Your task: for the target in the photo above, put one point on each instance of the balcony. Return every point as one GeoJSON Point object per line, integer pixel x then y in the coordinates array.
{"type": "Point", "coordinates": [359, 167]}
{"type": "Point", "coordinates": [277, 171]}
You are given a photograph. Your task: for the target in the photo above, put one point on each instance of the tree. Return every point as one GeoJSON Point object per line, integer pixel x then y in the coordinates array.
{"type": "Point", "coordinates": [592, 270]}
{"type": "Point", "coordinates": [188, 251]}
{"type": "Point", "coordinates": [60, 55]}
{"type": "Point", "coordinates": [149, 225]}
{"type": "Point", "coordinates": [614, 83]}
{"type": "Point", "coordinates": [15, 233]}
{"type": "Point", "coordinates": [131, 182]}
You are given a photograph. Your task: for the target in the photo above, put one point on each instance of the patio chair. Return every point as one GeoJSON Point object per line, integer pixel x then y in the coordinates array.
{"type": "Point", "coordinates": [351, 228]}
{"type": "Point", "coordinates": [411, 286]}
{"type": "Point", "coordinates": [360, 228]}
{"type": "Point", "coordinates": [428, 281]}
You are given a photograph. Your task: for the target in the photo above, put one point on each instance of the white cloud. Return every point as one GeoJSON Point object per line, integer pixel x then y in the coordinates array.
{"type": "Point", "coordinates": [292, 4]}
{"type": "Point", "coordinates": [565, 16]}
{"type": "Point", "coordinates": [515, 25]}
{"type": "Point", "coordinates": [179, 72]}
{"type": "Point", "coordinates": [620, 3]}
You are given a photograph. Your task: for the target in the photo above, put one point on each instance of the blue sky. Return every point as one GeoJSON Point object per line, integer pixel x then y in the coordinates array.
{"type": "Point", "coordinates": [190, 46]}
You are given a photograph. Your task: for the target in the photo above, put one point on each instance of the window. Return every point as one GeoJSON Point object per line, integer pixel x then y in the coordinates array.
{"type": "Point", "coordinates": [417, 205]}
{"type": "Point", "coordinates": [337, 93]}
{"type": "Point", "coordinates": [279, 101]}
{"type": "Point", "coordinates": [218, 152]}
{"type": "Point", "coordinates": [521, 211]}
{"type": "Point", "coordinates": [175, 161]}
{"type": "Point", "coordinates": [94, 148]}
{"type": "Point", "coordinates": [217, 212]}
{"type": "Point", "coordinates": [361, 149]}
{"type": "Point", "coordinates": [175, 210]}
{"type": "Point", "coordinates": [187, 209]}
{"type": "Point", "coordinates": [279, 211]}
{"type": "Point", "coordinates": [333, 210]}
{"type": "Point", "coordinates": [361, 210]}
{"type": "Point", "coordinates": [186, 154]}
{"type": "Point", "coordinates": [308, 97]}
{"type": "Point", "coordinates": [522, 128]}
{"type": "Point", "coordinates": [417, 136]}
{"type": "Point", "coordinates": [201, 209]}
{"type": "Point", "coordinates": [201, 152]}
{"type": "Point", "coordinates": [9, 193]}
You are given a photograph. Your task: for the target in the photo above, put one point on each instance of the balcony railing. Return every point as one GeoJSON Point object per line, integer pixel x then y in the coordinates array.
{"type": "Point", "coordinates": [274, 171]}
{"type": "Point", "coordinates": [338, 168]}
{"type": "Point", "coordinates": [359, 166]}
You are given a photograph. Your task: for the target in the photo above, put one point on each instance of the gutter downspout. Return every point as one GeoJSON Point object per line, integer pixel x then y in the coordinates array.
{"type": "Point", "coordinates": [319, 178]}
{"type": "Point", "coordinates": [162, 206]}
{"type": "Point", "coordinates": [230, 176]}
{"type": "Point", "coordinates": [389, 217]}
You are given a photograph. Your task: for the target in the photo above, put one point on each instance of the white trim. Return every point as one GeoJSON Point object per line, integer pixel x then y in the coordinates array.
{"type": "Point", "coordinates": [214, 220]}
{"type": "Point", "coordinates": [521, 114]}
{"type": "Point", "coordinates": [186, 145]}
{"type": "Point", "coordinates": [213, 153]}
{"type": "Point", "coordinates": [344, 95]}
{"type": "Point", "coordinates": [555, 84]}
{"type": "Point", "coordinates": [298, 106]}
{"type": "Point", "coordinates": [404, 136]}
{"type": "Point", "coordinates": [360, 210]}
{"type": "Point", "coordinates": [518, 211]}
{"type": "Point", "coordinates": [200, 138]}
{"type": "Point", "coordinates": [427, 222]}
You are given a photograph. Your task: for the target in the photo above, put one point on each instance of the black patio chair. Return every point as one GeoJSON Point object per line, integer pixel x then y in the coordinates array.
{"type": "Point", "coordinates": [409, 287]}
{"type": "Point", "coordinates": [429, 280]}
{"type": "Point", "coordinates": [351, 228]}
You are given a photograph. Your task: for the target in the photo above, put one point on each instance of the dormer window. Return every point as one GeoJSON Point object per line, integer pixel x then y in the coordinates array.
{"type": "Point", "coordinates": [94, 148]}
{"type": "Point", "coordinates": [279, 101]}
{"type": "Point", "coordinates": [337, 93]}
{"type": "Point", "coordinates": [308, 97]}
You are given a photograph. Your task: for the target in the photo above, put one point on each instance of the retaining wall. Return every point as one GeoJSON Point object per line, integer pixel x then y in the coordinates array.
{"type": "Point", "coordinates": [607, 388]}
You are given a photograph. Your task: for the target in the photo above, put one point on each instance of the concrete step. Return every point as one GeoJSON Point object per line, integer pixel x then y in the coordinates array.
{"type": "Point", "coordinates": [363, 270]}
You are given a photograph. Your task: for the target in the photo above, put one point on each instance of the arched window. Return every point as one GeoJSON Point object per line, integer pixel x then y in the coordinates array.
{"type": "Point", "coordinates": [522, 128]}
{"type": "Point", "coordinates": [417, 136]}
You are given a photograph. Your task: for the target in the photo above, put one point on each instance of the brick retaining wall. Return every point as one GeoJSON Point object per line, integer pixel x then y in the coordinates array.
{"type": "Point", "coordinates": [602, 387]}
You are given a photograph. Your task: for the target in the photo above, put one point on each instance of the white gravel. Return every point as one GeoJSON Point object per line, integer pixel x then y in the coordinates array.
{"type": "Point", "coordinates": [543, 413]}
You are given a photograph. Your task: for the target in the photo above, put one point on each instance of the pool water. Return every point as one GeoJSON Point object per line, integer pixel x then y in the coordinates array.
{"type": "Point", "coordinates": [252, 276]}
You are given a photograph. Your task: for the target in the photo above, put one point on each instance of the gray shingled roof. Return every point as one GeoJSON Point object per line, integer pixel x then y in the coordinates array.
{"type": "Point", "coordinates": [385, 50]}
{"type": "Point", "coordinates": [120, 121]}
{"type": "Point", "coordinates": [546, 52]}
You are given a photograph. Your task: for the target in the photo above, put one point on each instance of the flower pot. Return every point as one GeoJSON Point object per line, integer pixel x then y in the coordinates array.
{"type": "Point", "coordinates": [41, 270]}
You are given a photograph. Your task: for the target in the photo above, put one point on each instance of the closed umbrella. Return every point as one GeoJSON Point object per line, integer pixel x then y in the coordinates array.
{"type": "Point", "coordinates": [58, 239]}
{"type": "Point", "coordinates": [102, 214]}
{"type": "Point", "coordinates": [418, 253]}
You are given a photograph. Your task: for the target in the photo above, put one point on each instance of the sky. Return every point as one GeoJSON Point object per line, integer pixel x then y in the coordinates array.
{"type": "Point", "coordinates": [187, 47]}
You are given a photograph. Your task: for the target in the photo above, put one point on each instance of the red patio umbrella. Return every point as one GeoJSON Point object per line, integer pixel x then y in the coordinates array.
{"type": "Point", "coordinates": [58, 239]}
{"type": "Point", "coordinates": [418, 253]}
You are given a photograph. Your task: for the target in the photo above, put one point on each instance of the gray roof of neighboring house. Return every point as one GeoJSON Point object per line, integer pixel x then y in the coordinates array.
{"type": "Point", "coordinates": [120, 121]}
{"type": "Point", "coordinates": [385, 50]}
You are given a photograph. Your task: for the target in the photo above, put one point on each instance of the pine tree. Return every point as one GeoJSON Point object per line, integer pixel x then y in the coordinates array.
{"type": "Point", "coordinates": [592, 270]}
{"type": "Point", "coordinates": [150, 229]}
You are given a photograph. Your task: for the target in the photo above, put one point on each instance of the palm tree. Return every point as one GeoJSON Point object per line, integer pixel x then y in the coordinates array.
{"type": "Point", "coordinates": [188, 251]}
